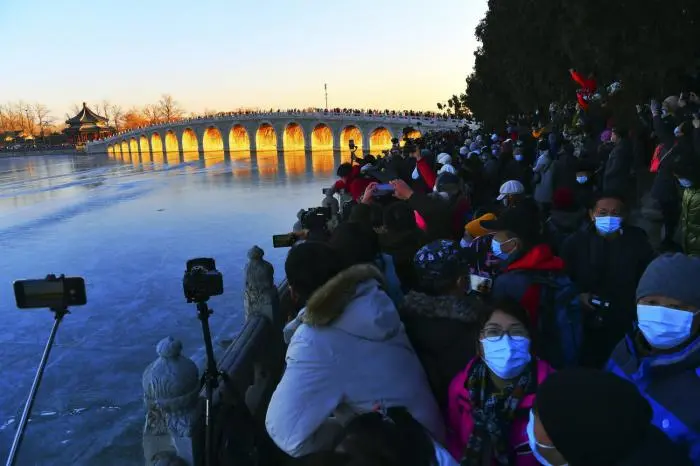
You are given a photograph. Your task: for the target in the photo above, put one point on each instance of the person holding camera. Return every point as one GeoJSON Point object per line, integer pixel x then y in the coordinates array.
{"type": "Point", "coordinates": [605, 259]}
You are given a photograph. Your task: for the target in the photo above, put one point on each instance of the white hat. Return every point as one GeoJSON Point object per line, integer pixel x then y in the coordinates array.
{"type": "Point", "coordinates": [510, 187]}
{"type": "Point", "coordinates": [463, 151]}
{"type": "Point", "coordinates": [494, 137]}
{"type": "Point", "coordinates": [444, 158]}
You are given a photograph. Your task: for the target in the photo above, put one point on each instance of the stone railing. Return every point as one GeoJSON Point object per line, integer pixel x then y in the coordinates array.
{"type": "Point", "coordinates": [252, 364]}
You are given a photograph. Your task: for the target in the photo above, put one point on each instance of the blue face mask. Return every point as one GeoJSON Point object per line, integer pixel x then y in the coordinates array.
{"type": "Point", "coordinates": [685, 183]}
{"type": "Point", "coordinates": [664, 327]}
{"type": "Point", "coordinates": [534, 444]}
{"type": "Point", "coordinates": [582, 179]}
{"type": "Point", "coordinates": [608, 225]}
{"type": "Point", "coordinates": [496, 249]}
{"type": "Point", "coordinates": [518, 157]}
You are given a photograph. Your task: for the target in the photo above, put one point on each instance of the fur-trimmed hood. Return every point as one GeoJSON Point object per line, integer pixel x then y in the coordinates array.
{"type": "Point", "coordinates": [462, 308]}
{"type": "Point", "coordinates": [355, 302]}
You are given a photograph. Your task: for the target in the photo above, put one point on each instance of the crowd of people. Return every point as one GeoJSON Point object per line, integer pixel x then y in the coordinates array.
{"type": "Point", "coordinates": [487, 298]}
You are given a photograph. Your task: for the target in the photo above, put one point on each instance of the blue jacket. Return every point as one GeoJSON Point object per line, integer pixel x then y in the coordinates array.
{"type": "Point", "coordinates": [671, 383]}
{"type": "Point", "coordinates": [385, 263]}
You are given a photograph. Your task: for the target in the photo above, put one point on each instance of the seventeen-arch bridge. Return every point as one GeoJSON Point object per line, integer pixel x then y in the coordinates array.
{"type": "Point", "coordinates": [281, 131]}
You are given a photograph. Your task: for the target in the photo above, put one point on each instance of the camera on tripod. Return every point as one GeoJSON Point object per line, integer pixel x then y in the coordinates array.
{"type": "Point", "coordinates": [201, 280]}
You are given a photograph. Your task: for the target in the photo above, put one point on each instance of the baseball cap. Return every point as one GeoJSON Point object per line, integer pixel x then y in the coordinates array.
{"type": "Point", "coordinates": [510, 187]}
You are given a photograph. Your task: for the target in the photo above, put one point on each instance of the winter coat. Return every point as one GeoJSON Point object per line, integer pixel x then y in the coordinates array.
{"type": "Point", "coordinates": [481, 259]}
{"type": "Point", "coordinates": [665, 187]}
{"type": "Point", "coordinates": [513, 284]}
{"type": "Point", "coordinates": [618, 168]}
{"type": "Point", "coordinates": [443, 330]}
{"type": "Point", "coordinates": [444, 218]}
{"type": "Point", "coordinates": [690, 221]}
{"type": "Point", "coordinates": [350, 353]}
{"type": "Point", "coordinates": [402, 247]}
{"type": "Point", "coordinates": [544, 187]}
{"type": "Point", "coordinates": [671, 384]}
{"type": "Point", "coordinates": [460, 423]}
{"type": "Point", "coordinates": [385, 264]}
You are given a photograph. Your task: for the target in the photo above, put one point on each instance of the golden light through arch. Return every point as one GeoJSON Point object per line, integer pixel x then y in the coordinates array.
{"type": "Point", "coordinates": [110, 151]}
{"type": "Point", "coordinates": [212, 140]}
{"type": "Point", "coordinates": [379, 140]}
{"type": "Point", "coordinates": [350, 132]}
{"type": "Point", "coordinates": [266, 138]}
{"type": "Point", "coordinates": [322, 162]}
{"type": "Point", "coordinates": [125, 151]}
{"type": "Point", "coordinates": [322, 137]}
{"type": "Point", "coordinates": [157, 148]}
{"type": "Point", "coordinates": [190, 146]}
{"type": "Point", "coordinates": [145, 149]}
{"type": "Point", "coordinates": [294, 163]}
{"type": "Point", "coordinates": [117, 150]}
{"type": "Point", "coordinates": [241, 163]}
{"type": "Point", "coordinates": [293, 138]}
{"type": "Point", "coordinates": [267, 163]}
{"type": "Point", "coordinates": [172, 148]}
{"type": "Point", "coordinates": [238, 139]}
{"type": "Point", "coordinates": [134, 148]}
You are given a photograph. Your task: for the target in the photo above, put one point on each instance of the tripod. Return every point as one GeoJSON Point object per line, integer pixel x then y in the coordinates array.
{"type": "Point", "coordinates": [19, 435]}
{"type": "Point", "coordinates": [210, 379]}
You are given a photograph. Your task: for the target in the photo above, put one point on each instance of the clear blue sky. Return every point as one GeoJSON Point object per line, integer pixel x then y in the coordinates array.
{"type": "Point", "coordinates": [225, 54]}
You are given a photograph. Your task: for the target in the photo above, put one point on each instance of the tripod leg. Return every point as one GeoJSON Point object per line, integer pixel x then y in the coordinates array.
{"type": "Point", "coordinates": [19, 435]}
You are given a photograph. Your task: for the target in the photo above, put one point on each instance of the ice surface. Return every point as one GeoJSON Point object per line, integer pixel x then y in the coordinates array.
{"type": "Point", "coordinates": [128, 229]}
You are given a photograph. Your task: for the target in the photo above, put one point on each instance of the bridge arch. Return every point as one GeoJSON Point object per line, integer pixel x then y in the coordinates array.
{"type": "Point", "coordinates": [212, 140]}
{"type": "Point", "coordinates": [189, 144]}
{"type": "Point", "coordinates": [293, 138]}
{"type": "Point", "coordinates": [157, 147]}
{"type": "Point", "coordinates": [380, 139]}
{"type": "Point", "coordinates": [125, 150]}
{"type": "Point", "coordinates": [266, 137]}
{"type": "Point", "coordinates": [117, 150]}
{"type": "Point", "coordinates": [133, 147]}
{"type": "Point", "coordinates": [350, 132]}
{"type": "Point", "coordinates": [238, 138]}
{"type": "Point", "coordinates": [322, 137]}
{"type": "Point", "coordinates": [172, 147]}
{"type": "Point", "coordinates": [145, 148]}
{"type": "Point", "coordinates": [110, 150]}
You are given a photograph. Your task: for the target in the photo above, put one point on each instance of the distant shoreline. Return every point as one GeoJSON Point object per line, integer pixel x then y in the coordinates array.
{"type": "Point", "coordinates": [25, 153]}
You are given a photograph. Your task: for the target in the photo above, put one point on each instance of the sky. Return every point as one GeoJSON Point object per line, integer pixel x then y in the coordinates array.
{"type": "Point", "coordinates": [227, 54]}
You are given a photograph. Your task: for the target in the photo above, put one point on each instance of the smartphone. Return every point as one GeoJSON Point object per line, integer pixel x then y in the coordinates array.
{"type": "Point", "coordinates": [351, 144]}
{"type": "Point", "coordinates": [385, 188]}
{"type": "Point", "coordinates": [286, 240]}
{"type": "Point", "coordinates": [477, 283]}
{"type": "Point", "coordinates": [52, 293]}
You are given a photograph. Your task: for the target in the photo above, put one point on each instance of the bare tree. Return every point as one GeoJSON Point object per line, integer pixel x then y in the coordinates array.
{"type": "Point", "coordinates": [76, 109]}
{"type": "Point", "coordinates": [117, 116]}
{"type": "Point", "coordinates": [169, 108]}
{"type": "Point", "coordinates": [43, 117]}
{"type": "Point", "coordinates": [152, 113]}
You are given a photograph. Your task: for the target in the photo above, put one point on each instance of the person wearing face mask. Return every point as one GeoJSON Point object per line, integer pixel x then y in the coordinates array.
{"type": "Point", "coordinates": [516, 168]}
{"type": "Point", "coordinates": [687, 170]}
{"type": "Point", "coordinates": [586, 185]}
{"type": "Point", "coordinates": [618, 167]}
{"type": "Point", "coordinates": [605, 259]}
{"type": "Point", "coordinates": [511, 193]}
{"type": "Point", "coordinates": [662, 357]}
{"type": "Point", "coordinates": [543, 178]}
{"type": "Point", "coordinates": [444, 164]}
{"type": "Point", "coordinates": [440, 315]}
{"type": "Point", "coordinates": [489, 399]}
{"type": "Point", "coordinates": [588, 417]}
{"type": "Point", "coordinates": [533, 276]}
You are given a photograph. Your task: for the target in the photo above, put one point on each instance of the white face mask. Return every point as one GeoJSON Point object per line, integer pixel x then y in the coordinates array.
{"type": "Point", "coordinates": [507, 357]}
{"type": "Point", "coordinates": [664, 327]}
{"type": "Point", "coordinates": [677, 131]}
{"type": "Point", "coordinates": [582, 179]}
{"type": "Point", "coordinates": [535, 445]}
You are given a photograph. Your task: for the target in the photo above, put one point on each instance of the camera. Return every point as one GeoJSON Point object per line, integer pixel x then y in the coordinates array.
{"type": "Point", "coordinates": [285, 240]}
{"type": "Point", "coordinates": [51, 292]}
{"type": "Point", "coordinates": [351, 145]}
{"type": "Point", "coordinates": [315, 218]}
{"type": "Point", "coordinates": [201, 280]}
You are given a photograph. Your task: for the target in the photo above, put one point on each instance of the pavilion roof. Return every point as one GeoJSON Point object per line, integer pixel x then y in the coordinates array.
{"type": "Point", "coordinates": [85, 115]}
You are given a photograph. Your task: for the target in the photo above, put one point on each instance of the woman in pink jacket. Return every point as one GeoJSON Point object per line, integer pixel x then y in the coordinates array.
{"type": "Point", "coordinates": [490, 400]}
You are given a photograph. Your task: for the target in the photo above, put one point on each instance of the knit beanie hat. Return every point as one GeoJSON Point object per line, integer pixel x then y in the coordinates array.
{"type": "Point", "coordinates": [673, 276]}
{"type": "Point", "coordinates": [474, 227]}
{"type": "Point", "coordinates": [592, 417]}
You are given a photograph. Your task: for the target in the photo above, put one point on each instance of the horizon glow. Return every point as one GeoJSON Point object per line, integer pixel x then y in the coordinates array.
{"type": "Point", "coordinates": [222, 55]}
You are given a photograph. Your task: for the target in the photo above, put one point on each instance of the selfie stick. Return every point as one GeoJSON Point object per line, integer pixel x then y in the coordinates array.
{"type": "Point", "coordinates": [210, 380]}
{"type": "Point", "coordinates": [19, 435]}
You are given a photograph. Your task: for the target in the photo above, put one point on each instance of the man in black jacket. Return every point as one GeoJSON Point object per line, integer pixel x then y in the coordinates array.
{"type": "Point", "coordinates": [606, 259]}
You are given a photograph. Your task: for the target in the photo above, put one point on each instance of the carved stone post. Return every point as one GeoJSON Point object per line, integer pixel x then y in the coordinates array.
{"type": "Point", "coordinates": [260, 295]}
{"type": "Point", "coordinates": [171, 388]}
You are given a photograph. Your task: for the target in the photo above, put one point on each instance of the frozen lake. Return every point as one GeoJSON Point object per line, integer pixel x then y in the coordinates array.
{"type": "Point", "coordinates": [128, 229]}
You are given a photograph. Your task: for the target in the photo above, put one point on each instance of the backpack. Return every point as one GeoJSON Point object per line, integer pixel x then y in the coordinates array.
{"type": "Point", "coordinates": [559, 320]}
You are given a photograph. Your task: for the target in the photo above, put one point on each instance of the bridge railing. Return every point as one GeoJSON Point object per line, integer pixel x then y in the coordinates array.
{"type": "Point", "coordinates": [256, 116]}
